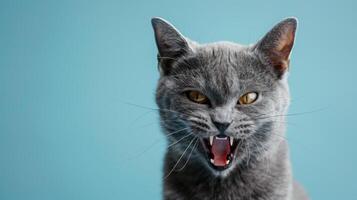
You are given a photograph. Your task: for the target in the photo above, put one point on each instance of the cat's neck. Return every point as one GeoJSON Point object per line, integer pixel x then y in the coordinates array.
{"type": "Point", "coordinates": [269, 176]}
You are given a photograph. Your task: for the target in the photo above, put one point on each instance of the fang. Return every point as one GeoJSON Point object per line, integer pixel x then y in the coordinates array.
{"type": "Point", "coordinates": [211, 140]}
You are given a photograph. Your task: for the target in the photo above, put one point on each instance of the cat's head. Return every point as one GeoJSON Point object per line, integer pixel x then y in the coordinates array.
{"type": "Point", "coordinates": [224, 102]}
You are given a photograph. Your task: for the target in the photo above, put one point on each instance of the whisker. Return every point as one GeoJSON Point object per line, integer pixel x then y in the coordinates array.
{"type": "Point", "coordinates": [177, 141]}
{"type": "Point", "coordinates": [177, 162]}
{"type": "Point", "coordinates": [189, 157]}
{"type": "Point", "coordinates": [302, 145]}
{"type": "Point", "coordinates": [200, 124]}
{"type": "Point", "coordinates": [282, 122]}
{"type": "Point", "coordinates": [291, 114]}
{"type": "Point", "coordinates": [156, 109]}
{"type": "Point", "coordinates": [140, 106]}
{"type": "Point", "coordinates": [139, 117]}
{"type": "Point", "coordinates": [169, 134]}
{"type": "Point", "coordinates": [153, 144]}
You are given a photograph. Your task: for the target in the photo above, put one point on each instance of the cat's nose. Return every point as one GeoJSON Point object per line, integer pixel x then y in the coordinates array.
{"type": "Point", "coordinates": [222, 127]}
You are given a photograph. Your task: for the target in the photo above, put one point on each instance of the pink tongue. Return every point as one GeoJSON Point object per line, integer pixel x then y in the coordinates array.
{"type": "Point", "coordinates": [220, 150]}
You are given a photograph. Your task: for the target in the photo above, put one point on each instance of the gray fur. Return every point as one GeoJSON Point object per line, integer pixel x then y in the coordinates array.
{"type": "Point", "coordinates": [224, 71]}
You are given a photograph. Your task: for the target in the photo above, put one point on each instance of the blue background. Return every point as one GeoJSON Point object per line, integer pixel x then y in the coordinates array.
{"type": "Point", "coordinates": [68, 69]}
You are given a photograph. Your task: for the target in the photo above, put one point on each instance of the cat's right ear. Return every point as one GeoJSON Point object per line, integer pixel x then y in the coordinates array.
{"type": "Point", "coordinates": [170, 42]}
{"type": "Point", "coordinates": [275, 47]}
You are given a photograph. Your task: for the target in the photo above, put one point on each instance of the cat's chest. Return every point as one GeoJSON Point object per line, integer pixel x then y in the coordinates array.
{"type": "Point", "coordinates": [230, 190]}
{"type": "Point", "coordinates": [235, 193]}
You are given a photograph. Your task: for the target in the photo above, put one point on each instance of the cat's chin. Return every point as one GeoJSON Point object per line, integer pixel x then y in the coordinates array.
{"type": "Point", "coordinates": [220, 152]}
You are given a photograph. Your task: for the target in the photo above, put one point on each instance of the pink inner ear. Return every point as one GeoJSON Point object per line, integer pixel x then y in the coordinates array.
{"type": "Point", "coordinates": [286, 39]}
{"type": "Point", "coordinates": [276, 45]}
{"type": "Point", "coordinates": [280, 55]}
{"type": "Point", "coordinates": [282, 66]}
{"type": "Point", "coordinates": [285, 44]}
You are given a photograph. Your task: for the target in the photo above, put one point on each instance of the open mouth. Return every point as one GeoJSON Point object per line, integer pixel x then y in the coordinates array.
{"type": "Point", "coordinates": [220, 150]}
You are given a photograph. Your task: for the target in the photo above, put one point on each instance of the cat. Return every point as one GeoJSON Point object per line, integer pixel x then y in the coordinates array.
{"type": "Point", "coordinates": [222, 108]}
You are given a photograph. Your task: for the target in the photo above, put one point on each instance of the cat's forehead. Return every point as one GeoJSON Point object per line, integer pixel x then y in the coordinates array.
{"type": "Point", "coordinates": [222, 69]}
{"type": "Point", "coordinates": [226, 55]}
{"type": "Point", "coordinates": [227, 60]}
{"type": "Point", "coordinates": [222, 59]}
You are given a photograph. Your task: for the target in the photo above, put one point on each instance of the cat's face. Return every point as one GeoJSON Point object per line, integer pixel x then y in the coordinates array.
{"type": "Point", "coordinates": [223, 103]}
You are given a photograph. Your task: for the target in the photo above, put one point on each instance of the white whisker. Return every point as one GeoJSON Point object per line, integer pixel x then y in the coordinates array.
{"type": "Point", "coordinates": [177, 162]}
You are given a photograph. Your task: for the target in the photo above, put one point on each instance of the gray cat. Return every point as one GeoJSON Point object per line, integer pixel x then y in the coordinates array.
{"type": "Point", "coordinates": [222, 107]}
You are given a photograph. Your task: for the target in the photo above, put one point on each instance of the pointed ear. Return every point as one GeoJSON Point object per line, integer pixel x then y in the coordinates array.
{"type": "Point", "coordinates": [276, 45]}
{"type": "Point", "coordinates": [170, 43]}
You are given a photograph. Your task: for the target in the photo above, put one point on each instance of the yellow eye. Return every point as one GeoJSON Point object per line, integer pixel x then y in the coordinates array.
{"type": "Point", "coordinates": [248, 98]}
{"type": "Point", "coordinates": [197, 97]}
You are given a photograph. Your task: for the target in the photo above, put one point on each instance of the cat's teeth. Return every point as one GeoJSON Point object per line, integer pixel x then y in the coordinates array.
{"type": "Point", "coordinates": [231, 139]}
{"type": "Point", "coordinates": [211, 140]}
{"type": "Point", "coordinates": [212, 161]}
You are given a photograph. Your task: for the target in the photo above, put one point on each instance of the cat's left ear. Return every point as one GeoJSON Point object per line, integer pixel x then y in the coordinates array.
{"type": "Point", "coordinates": [275, 47]}
{"type": "Point", "coordinates": [170, 43]}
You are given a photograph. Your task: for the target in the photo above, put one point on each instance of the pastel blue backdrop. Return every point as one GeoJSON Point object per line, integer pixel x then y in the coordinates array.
{"type": "Point", "coordinates": [69, 68]}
